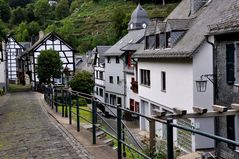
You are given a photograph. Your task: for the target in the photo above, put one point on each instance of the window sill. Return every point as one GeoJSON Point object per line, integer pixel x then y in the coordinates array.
{"type": "Point", "coordinates": [148, 86]}
{"type": "Point", "coordinates": [164, 91]}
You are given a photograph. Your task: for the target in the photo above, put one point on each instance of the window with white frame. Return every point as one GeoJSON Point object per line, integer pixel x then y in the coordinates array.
{"type": "Point", "coordinates": [145, 77]}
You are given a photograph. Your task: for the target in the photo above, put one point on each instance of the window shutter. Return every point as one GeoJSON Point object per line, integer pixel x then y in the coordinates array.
{"type": "Point", "coordinates": [230, 58]}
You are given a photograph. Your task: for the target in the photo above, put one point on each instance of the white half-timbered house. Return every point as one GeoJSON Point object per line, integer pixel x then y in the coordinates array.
{"type": "Point", "coordinates": [55, 42]}
{"type": "Point", "coordinates": [13, 49]}
{"type": "Point", "coordinates": [2, 68]}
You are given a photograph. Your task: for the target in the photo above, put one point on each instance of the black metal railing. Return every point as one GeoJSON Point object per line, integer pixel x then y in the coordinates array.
{"type": "Point", "coordinates": [57, 96]}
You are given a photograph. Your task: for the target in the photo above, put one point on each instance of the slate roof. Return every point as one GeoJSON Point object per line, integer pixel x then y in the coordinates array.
{"type": "Point", "coordinates": [178, 24]}
{"type": "Point", "coordinates": [101, 50]}
{"type": "Point", "coordinates": [195, 36]}
{"type": "Point", "coordinates": [229, 21]}
{"type": "Point", "coordinates": [134, 36]}
{"type": "Point", "coordinates": [131, 47]}
{"type": "Point", "coordinates": [138, 17]}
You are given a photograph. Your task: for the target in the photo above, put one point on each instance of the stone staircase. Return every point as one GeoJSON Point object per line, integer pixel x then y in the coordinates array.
{"type": "Point", "coordinates": [99, 134]}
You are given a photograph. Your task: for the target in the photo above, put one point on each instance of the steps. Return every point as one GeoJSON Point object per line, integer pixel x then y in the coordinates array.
{"type": "Point", "coordinates": [99, 134]}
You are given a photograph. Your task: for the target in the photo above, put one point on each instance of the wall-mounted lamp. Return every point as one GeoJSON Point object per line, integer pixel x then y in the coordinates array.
{"type": "Point", "coordinates": [202, 84]}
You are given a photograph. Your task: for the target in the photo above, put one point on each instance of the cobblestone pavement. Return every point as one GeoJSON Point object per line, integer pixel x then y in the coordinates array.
{"type": "Point", "coordinates": [26, 131]}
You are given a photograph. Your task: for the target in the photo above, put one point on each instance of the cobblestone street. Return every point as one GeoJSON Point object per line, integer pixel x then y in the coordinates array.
{"type": "Point", "coordinates": [26, 131]}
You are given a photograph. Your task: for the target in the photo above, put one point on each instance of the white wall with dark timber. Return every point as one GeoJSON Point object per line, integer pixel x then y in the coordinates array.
{"type": "Point", "coordinates": [65, 52]}
{"type": "Point", "coordinates": [203, 64]}
{"type": "Point", "coordinates": [12, 49]}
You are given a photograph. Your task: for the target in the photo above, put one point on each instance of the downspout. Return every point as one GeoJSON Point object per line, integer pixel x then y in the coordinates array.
{"type": "Point", "coordinates": [215, 93]}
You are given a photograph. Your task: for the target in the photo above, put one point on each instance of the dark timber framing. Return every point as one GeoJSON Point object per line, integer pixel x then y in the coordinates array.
{"type": "Point", "coordinates": [56, 43]}
{"type": "Point", "coordinates": [13, 49]}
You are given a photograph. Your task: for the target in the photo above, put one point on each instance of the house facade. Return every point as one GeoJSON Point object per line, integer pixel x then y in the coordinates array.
{"type": "Point", "coordinates": [176, 54]}
{"type": "Point", "coordinates": [226, 32]}
{"type": "Point", "coordinates": [13, 49]}
{"type": "Point", "coordinates": [115, 60]}
{"type": "Point", "coordinates": [99, 72]}
{"type": "Point", "coordinates": [3, 80]}
{"type": "Point", "coordinates": [47, 42]}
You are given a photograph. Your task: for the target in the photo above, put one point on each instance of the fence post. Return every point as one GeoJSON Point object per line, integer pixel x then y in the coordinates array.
{"type": "Point", "coordinates": [119, 135]}
{"type": "Point", "coordinates": [170, 139]}
{"type": "Point", "coordinates": [77, 114]}
{"type": "Point", "coordinates": [94, 116]}
{"type": "Point", "coordinates": [52, 97]}
{"type": "Point", "coordinates": [152, 137]}
{"type": "Point", "coordinates": [123, 138]}
{"type": "Point", "coordinates": [63, 103]}
{"type": "Point", "coordinates": [70, 106]}
{"type": "Point", "coordinates": [66, 106]}
{"type": "Point", "coordinates": [56, 100]}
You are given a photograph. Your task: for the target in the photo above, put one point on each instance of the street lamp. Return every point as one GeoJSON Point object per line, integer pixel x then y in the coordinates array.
{"type": "Point", "coordinates": [202, 84]}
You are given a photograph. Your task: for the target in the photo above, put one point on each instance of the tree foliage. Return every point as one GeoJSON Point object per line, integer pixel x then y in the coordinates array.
{"type": "Point", "coordinates": [82, 82]}
{"type": "Point", "coordinates": [49, 66]}
{"type": "Point", "coordinates": [17, 3]}
{"type": "Point", "coordinates": [62, 9]}
{"type": "Point", "coordinates": [5, 11]}
{"type": "Point", "coordinates": [120, 21]}
{"type": "Point", "coordinates": [42, 10]}
{"type": "Point", "coordinates": [33, 28]}
{"type": "Point", "coordinates": [18, 15]}
{"type": "Point", "coordinates": [22, 33]}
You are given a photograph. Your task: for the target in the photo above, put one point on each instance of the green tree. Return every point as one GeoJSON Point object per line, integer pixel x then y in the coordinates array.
{"type": "Point", "coordinates": [42, 10]}
{"type": "Point", "coordinates": [82, 82]}
{"type": "Point", "coordinates": [119, 20]}
{"type": "Point", "coordinates": [3, 30]}
{"type": "Point", "coordinates": [5, 11]}
{"type": "Point", "coordinates": [30, 12]}
{"type": "Point", "coordinates": [51, 28]}
{"type": "Point", "coordinates": [62, 9]}
{"type": "Point", "coordinates": [49, 66]}
{"type": "Point", "coordinates": [22, 33]}
{"type": "Point", "coordinates": [18, 15]}
{"type": "Point", "coordinates": [33, 28]}
{"type": "Point", "coordinates": [17, 3]}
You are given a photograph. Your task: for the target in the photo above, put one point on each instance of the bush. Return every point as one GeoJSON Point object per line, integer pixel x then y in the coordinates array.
{"type": "Point", "coordinates": [82, 82]}
{"type": "Point", "coordinates": [1, 92]}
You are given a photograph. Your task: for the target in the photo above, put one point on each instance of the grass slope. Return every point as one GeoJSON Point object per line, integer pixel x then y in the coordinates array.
{"type": "Point", "coordinates": [92, 20]}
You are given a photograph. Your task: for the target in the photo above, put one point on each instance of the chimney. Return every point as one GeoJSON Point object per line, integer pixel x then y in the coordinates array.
{"type": "Point", "coordinates": [41, 35]}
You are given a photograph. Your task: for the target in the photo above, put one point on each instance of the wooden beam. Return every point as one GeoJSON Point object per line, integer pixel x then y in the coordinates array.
{"type": "Point", "coordinates": [219, 108]}
{"type": "Point", "coordinates": [199, 110]}
{"type": "Point", "coordinates": [159, 113]}
{"type": "Point", "coordinates": [179, 111]}
{"type": "Point", "coordinates": [235, 106]}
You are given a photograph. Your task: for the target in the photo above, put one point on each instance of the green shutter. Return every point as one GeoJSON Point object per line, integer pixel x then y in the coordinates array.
{"type": "Point", "coordinates": [230, 58]}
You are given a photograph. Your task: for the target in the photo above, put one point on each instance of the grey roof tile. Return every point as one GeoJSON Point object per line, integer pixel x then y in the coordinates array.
{"type": "Point", "coordinates": [193, 38]}
{"type": "Point", "coordinates": [134, 36]}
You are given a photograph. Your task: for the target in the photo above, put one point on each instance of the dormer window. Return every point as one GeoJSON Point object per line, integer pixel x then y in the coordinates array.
{"type": "Point", "coordinates": [168, 40]}
{"type": "Point", "coordinates": [149, 42]}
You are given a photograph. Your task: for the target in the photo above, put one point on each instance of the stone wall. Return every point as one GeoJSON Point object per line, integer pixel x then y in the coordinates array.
{"type": "Point", "coordinates": [226, 96]}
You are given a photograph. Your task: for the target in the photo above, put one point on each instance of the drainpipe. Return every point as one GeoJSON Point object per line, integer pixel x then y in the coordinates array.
{"type": "Point", "coordinates": [215, 93]}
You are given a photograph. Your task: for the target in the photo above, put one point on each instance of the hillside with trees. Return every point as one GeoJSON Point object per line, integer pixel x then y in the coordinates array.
{"type": "Point", "coordinates": [83, 23]}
